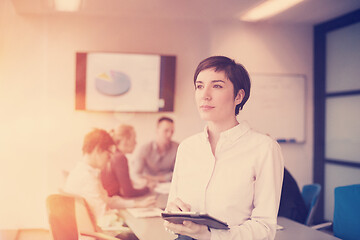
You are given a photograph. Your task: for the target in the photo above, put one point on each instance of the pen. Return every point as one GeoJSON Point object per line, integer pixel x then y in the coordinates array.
{"type": "Point", "coordinates": [291, 140]}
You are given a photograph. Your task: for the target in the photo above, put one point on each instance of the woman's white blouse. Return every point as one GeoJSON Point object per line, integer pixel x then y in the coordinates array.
{"type": "Point", "coordinates": [240, 185]}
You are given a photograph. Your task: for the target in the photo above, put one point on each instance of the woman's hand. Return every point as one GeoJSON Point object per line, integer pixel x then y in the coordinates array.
{"type": "Point", "coordinates": [178, 206]}
{"type": "Point", "coordinates": [190, 229]}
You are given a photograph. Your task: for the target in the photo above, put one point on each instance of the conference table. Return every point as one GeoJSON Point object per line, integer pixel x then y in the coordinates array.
{"type": "Point", "coordinates": [153, 228]}
{"type": "Point", "coordinates": [296, 231]}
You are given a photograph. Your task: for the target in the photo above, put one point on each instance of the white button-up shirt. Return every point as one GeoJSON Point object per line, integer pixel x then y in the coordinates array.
{"type": "Point", "coordinates": [240, 185]}
{"type": "Point", "coordinates": [84, 180]}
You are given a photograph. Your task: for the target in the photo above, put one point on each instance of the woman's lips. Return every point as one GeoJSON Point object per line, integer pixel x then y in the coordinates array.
{"type": "Point", "coordinates": [206, 107]}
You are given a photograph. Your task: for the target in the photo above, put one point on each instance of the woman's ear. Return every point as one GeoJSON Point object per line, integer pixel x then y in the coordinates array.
{"type": "Point", "coordinates": [240, 96]}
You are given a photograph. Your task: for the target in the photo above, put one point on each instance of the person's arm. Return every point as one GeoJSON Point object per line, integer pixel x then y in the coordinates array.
{"type": "Point", "coordinates": [166, 177]}
{"type": "Point", "coordinates": [176, 204]}
{"type": "Point", "coordinates": [88, 187]}
{"type": "Point", "coordinates": [174, 182]}
{"type": "Point", "coordinates": [121, 169]}
{"type": "Point", "coordinates": [117, 202]}
{"type": "Point", "coordinates": [188, 228]}
{"type": "Point", "coordinates": [263, 220]}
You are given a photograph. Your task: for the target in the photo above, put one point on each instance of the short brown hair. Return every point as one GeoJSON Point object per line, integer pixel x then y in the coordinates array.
{"type": "Point", "coordinates": [235, 72]}
{"type": "Point", "coordinates": [165, 119]}
{"type": "Point", "coordinates": [97, 138]}
{"type": "Point", "coordinates": [121, 132]}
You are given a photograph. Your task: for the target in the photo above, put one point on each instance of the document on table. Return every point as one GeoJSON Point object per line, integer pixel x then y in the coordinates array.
{"type": "Point", "coordinates": [279, 227]}
{"type": "Point", "coordinates": [145, 212]}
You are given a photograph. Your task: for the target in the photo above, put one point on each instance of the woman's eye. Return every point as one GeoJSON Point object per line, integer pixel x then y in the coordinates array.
{"type": "Point", "coordinates": [199, 86]}
{"type": "Point", "coordinates": [217, 86]}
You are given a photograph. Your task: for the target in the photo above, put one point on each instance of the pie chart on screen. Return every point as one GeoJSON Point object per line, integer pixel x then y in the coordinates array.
{"type": "Point", "coordinates": [113, 84]}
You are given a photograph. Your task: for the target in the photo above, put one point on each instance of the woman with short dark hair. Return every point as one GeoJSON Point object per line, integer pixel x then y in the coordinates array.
{"type": "Point", "coordinates": [229, 171]}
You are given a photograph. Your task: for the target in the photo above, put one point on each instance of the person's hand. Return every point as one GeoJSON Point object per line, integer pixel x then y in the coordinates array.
{"type": "Point", "coordinates": [178, 205]}
{"type": "Point", "coordinates": [190, 229]}
{"type": "Point", "coordinates": [146, 202]}
{"type": "Point", "coordinates": [151, 184]}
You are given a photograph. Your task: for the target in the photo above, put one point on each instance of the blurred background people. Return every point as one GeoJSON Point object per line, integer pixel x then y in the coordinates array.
{"type": "Point", "coordinates": [84, 179]}
{"type": "Point", "coordinates": [115, 176]}
{"type": "Point", "coordinates": [155, 160]}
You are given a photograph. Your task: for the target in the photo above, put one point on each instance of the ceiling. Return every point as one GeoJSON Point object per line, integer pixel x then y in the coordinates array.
{"type": "Point", "coordinates": [307, 12]}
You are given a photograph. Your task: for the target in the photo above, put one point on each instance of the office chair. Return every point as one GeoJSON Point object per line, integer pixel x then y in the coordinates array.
{"type": "Point", "coordinates": [346, 222]}
{"type": "Point", "coordinates": [310, 194]}
{"type": "Point", "coordinates": [29, 233]}
{"type": "Point", "coordinates": [69, 217]}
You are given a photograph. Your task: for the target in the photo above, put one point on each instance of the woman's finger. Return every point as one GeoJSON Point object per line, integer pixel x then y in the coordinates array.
{"type": "Point", "coordinates": [184, 207]}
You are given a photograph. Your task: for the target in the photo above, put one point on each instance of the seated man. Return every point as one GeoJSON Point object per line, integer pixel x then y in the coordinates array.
{"type": "Point", "coordinates": [156, 159]}
{"type": "Point", "coordinates": [292, 204]}
{"type": "Point", "coordinates": [84, 179]}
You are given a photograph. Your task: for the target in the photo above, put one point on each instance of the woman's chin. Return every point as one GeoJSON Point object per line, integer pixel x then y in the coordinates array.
{"type": "Point", "coordinates": [206, 116]}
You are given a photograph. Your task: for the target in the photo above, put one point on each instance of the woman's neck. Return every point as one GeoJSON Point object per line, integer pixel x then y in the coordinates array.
{"type": "Point", "coordinates": [122, 150]}
{"type": "Point", "coordinates": [90, 159]}
{"type": "Point", "coordinates": [215, 129]}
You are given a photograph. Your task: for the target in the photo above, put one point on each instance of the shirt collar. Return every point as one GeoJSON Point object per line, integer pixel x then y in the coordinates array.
{"type": "Point", "coordinates": [155, 146]}
{"type": "Point", "coordinates": [233, 133]}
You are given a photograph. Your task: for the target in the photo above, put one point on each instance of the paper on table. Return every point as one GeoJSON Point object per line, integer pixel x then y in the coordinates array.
{"type": "Point", "coordinates": [145, 212]}
{"type": "Point", "coordinates": [279, 227]}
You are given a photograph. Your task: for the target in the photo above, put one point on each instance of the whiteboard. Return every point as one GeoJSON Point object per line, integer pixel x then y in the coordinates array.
{"type": "Point", "coordinates": [277, 106]}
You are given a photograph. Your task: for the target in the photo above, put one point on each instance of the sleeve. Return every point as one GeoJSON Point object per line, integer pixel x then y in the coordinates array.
{"type": "Point", "coordinates": [121, 169]}
{"type": "Point", "coordinates": [84, 184]}
{"type": "Point", "coordinates": [267, 190]}
{"type": "Point", "coordinates": [168, 176]}
{"type": "Point", "coordinates": [117, 202]}
{"type": "Point", "coordinates": [96, 198]}
{"type": "Point", "coordinates": [174, 181]}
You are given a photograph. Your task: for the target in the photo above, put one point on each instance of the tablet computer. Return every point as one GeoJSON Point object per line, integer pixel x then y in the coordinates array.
{"type": "Point", "coordinates": [199, 218]}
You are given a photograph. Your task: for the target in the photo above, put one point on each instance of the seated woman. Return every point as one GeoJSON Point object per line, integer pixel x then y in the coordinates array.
{"type": "Point", "coordinates": [115, 177]}
{"type": "Point", "coordinates": [84, 181]}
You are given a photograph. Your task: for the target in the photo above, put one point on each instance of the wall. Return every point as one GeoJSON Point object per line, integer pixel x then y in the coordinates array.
{"type": "Point", "coordinates": [22, 138]}
{"type": "Point", "coordinates": [41, 133]}
{"type": "Point", "coordinates": [275, 49]}
{"type": "Point", "coordinates": [69, 34]}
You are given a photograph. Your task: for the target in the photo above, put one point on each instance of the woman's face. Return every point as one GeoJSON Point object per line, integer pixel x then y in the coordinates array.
{"type": "Point", "coordinates": [214, 96]}
{"type": "Point", "coordinates": [127, 145]}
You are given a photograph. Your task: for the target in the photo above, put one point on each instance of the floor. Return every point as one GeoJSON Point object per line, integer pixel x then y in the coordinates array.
{"type": "Point", "coordinates": [25, 234]}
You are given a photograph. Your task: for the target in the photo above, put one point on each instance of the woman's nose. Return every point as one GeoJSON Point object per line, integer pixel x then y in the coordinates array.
{"type": "Point", "coordinates": [206, 93]}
